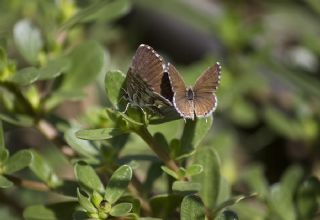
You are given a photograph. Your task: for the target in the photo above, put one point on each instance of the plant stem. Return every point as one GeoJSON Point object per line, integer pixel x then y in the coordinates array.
{"type": "Point", "coordinates": [159, 150]}
{"type": "Point", "coordinates": [29, 184]}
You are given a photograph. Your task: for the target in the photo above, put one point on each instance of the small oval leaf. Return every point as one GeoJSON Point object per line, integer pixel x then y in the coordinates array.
{"type": "Point", "coordinates": [25, 76]}
{"type": "Point", "coordinates": [210, 177]}
{"type": "Point", "coordinates": [18, 161]}
{"type": "Point", "coordinates": [28, 40]}
{"type": "Point", "coordinates": [5, 183]}
{"type": "Point", "coordinates": [194, 169]}
{"type": "Point", "coordinates": [83, 147]}
{"type": "Point", "coordinates": [118, 183]}
{"type": "Point", "coordinates": [192, 208]}
{"type": "Point", "coordinates": [184, 186]}
{"type": "Point", "coordinates": [88, 178]}
{"type": "Point", "coordinates": [121, 209]}
{"type": "Point", "coordinates": [113, 85]}
{"type": "Point", "coordinates": [43, 170]}
{"type": "Point", "coordinates": [99, 134]}
{"type": "Point", "coordinates": [85, 202]}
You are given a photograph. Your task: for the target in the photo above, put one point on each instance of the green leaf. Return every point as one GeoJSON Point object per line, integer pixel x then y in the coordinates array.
{"type": "Point", "coordinates": [231, 202]}
{"type": "Point", "coordinates": [102, 10]}
{"type": "Point", "coordinates": [307, 195]}
{"type": "Point", "coordinates": [19, 120]}
{"type": "Point", "coordinates": [5, 183]}
{"type": "Point", "coordinates": [28, 40]}
{"type": "Point", "coordinates": [224, 190]}
{"type": "Point", "coordinates": [282, 194]}
{"type": "Point", "coordinates": [184, 186]}
{"type": "Point", "coordinates": [170, 172]}
{"type": "Point", "coordinates": [255, 178]}
{"type": "Point", "coordinates": [193, 134]}
{"type": "Point", "coordinates": [121, 209]}
{"type": "Point", "coordinates": [192, 208]}
{"type": "Point", "coordinates": [25, 76]}
{"type": "Point", "coordinates": [210, 177]}
{"type": "Point", "coordinates": [58, 211]}
{"type": "Point", "coordinates": [59, 96]}
{"type": "Point", "coordinates": [113, 85]}
{"type": "Point", "coordinates": [228, 215]}
{"type": "Point", "coordinates": [118, 183]}
{"type": "Point", "coordinates": [83, 147]}
{"type": "Point", "coordinates": [85, 202]}
{"type": "Point", "coordinates": [283, 124]}
{"type": "Point", "coordinates": [18, 161]}
{"type": "Point", "coordinates": [194, 169]}
{"type": "Point", "coordinates": [99, 134]}
{"type": "Point", "coordinates": [87, 61]}
{"type": "Point", "coordinates": [88, 178]}
{"type": "Point", "coordinates": [42, 169]}
{"type": "Point", "coordinates": [4, 155]}
{"type": "Point", "coordinates": [164, 206]}
{"type": "Point", "coordinates": [54, 68]}
{"type": "Point", "coordinates": [2, 142]}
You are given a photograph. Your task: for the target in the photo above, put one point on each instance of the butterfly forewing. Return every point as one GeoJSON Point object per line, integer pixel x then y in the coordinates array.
{"type": "Point", "coordinates": [205, 100]}
{"type": "Point", "coordinates": [145, 81]}
{"type": "Point", "coordinates": [180, 101]}
{"type": "Point", "coordinates": [148, 65]}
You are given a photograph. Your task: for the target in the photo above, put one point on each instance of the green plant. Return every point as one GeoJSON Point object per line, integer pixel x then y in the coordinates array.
{"type": "Point", "coordinates": [104, 164]}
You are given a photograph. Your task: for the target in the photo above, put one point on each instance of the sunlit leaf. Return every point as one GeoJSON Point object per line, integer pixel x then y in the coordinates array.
{"type": "Point", "coordinates": [184, 186]}
{"type": "Point", "coordinates": [43, 170]}
{"type": "Point", "coordinates": [54, 68]}
{"type": "Point", "coordinates": [102, 10]}
{"type": "Point", "coordinates": [25, 76]}
{"type": "Point", "coordinates": [193, 134]}
{"type": "Point", "coordinates": [86, 62]}
{"type": "Point", "coordinates": [88, 178]}
{"type": "Point", "coordinates": [28, 40]}
{"type": "Point", "coordinates": [58, 211]}
{"type": "Point", "coordinates": [192, 208]}
{"type": "Point", "coordinates": [118, 183]}
{"type": "Point", "coordinates": [5, 183]}
{"type": "Point", "coordinates": [99, 134]}
{"type": "Point", "coordinates": [85, 202]}
{"type": "Point", "coordinates": [209, 179]}
{"type": "Point", "coordinates": [113, 85]}
{"type": "Point", "coordinates": [121, 209]}
{"type": "Point", "coordinates": [83, 147]}
{"type": "Point", "coordinates": [18, 161]}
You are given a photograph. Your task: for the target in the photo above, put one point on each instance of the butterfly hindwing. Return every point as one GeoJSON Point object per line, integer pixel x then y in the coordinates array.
{"type": "Point", "coordinates": [183, 106]}
{"type": "Point", "coordinates": [205, 100]}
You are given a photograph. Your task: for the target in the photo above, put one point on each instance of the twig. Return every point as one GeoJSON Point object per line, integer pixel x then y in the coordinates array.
{"type": "Point", "coordinates": [28, 184]}
{"type": "Point", "coordinates": [159, 150]}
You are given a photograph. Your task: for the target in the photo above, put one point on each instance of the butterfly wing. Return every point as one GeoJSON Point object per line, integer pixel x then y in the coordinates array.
{"type": "Point", "coordinates": [183, 106]}
{"type": "Point", "coordinates": [205, 101]}
{"type": "Point", "coordinates": [145, 78]}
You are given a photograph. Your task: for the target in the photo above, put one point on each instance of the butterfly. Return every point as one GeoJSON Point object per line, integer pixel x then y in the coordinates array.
{"type": "Point", "coordinates": [147, 83]}
{"type": "Point", "coordinates": [199, 100]}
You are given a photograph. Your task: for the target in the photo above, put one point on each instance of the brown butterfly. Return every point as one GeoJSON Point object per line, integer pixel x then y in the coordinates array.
{"type": "Point", "coordinates": [147, 83]}
{"type": "Point", "coordinates": [199, 100]}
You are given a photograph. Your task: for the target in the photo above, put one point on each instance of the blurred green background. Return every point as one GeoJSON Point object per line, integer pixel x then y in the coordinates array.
{"type": "Point", "coordinates": [267, 125]}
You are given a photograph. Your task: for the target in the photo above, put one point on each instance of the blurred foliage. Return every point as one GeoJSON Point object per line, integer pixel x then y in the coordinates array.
{"type": "Point", "coordinates": [66, 152]}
